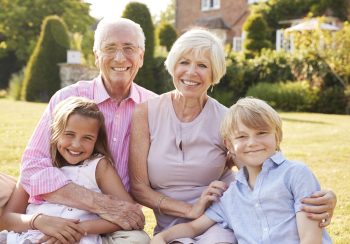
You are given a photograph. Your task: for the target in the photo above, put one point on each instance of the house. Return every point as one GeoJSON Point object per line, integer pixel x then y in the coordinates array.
{"type": "Point", "coordinates": [285, 36]}
{"type": "Point", "coordinates": [224, 17]}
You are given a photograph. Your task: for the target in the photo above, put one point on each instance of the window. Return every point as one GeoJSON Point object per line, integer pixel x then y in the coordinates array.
{"type": "Point", "coordinates": [255, 1]}
{"type": "Point", "coordinates": [210, 4]}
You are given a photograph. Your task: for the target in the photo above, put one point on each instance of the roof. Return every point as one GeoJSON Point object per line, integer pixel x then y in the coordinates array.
{"type": "Point", "coordinates": [212, 23]}
{"type": "Point", "coordinates": [312, 24]}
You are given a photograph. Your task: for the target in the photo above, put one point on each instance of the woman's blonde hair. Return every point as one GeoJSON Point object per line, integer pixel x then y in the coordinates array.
{"type": "Point", "coordinates": [83, 107]}
{"type": "Point", "coordinates": [253, 113]}
{"type": "Point", "coordinates": [197, 42]}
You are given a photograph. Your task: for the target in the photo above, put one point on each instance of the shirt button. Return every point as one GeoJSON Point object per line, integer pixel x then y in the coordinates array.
{"type": "Point", "coordinates": [256, 205]}
{"type": "Point", "coordinates": [114, 139]}
{"type": "Point", "coordinates": [69, 209]}
{"type": "Point", "coordinates": [265, 229]}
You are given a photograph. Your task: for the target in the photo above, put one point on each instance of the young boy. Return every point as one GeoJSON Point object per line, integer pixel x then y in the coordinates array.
{"type": "Point", "coordinates": [263, 204]}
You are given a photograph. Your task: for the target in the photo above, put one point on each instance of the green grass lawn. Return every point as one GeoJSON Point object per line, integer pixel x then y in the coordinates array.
{"type": "Point", "coordinates": [322, 141]}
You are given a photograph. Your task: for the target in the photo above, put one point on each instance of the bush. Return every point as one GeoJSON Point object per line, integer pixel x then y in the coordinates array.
{"type": "Point", "coordinates": [162, 78]}
{"type": "Point", "coordinates": [257, 35]}
{"type": "Point", "coordinates": [167, 35]}
{"type": "Point", "coordinates": [139, 13]}
{"type": "Point", "coordinates": [15, 86]}
{"type": "Point", "coordinates": [332, 100]}
{"type": "Point", "coordinates": [232, 86]}
{"type": "Point", "coordinates": [270, 67]}
{"type": "Point", "coordinates": [42, 78]}
{"type": "Point", "coordinates": [289, 96]}
{"type": "Point", "coordinates": [86, 48]}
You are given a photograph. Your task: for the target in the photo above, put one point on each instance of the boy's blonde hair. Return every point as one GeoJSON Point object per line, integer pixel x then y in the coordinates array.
{"type": "Point", "coordinates": [196, 42]}
{"type": "Point", "coordinates": [253, 113]}
{"type": "Point", "coordinates": [84, 107]}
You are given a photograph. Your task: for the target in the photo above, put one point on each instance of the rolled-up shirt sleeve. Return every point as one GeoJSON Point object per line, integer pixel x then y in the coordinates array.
{"type": "Point", "coordinates": [38, 176]}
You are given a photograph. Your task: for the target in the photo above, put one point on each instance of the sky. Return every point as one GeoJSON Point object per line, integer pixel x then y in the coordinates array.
{"type": "Point", "coordinates": [102, 8]}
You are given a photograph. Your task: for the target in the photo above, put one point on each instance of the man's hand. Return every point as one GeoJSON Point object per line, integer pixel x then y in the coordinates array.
{"type": "Point", "coordinates": [322, 206]}
{"type": "Point", "coordinates": [127, 215]}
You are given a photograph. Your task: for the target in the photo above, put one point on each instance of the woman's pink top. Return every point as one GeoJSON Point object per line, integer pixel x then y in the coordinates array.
{"type": "Point", "coordinates": [184, 158]}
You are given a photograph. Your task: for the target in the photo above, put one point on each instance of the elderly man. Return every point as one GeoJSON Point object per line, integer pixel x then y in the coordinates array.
{"type": "Point", "coordinates": [119, 50]}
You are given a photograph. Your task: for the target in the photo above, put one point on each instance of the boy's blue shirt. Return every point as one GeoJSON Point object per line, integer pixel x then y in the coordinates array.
{"type": "Point", "coordinates": [267, 213]}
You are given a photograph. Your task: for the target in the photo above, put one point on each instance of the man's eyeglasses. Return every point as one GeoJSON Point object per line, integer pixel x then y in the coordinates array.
{"type": "Point", "coordinates": [127, 51]}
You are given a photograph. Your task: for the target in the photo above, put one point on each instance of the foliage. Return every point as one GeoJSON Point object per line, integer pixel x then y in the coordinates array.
{"type": "Point", "coordinates": [270, 67]}
{"type": "Point", "coordinates": [15, 83]}
{"type": "Point", "coordinates": [232, 86]}
{"type": "Point", "coordinates": [321, 71]}
{"type": "Point", "coordinates": [8, 65]}
{"type": "Point", "coordinates": [286, 96]}
{"type": "Point", "coordinates": [331, 49]}
{"type": "Point", "coordinates": [275, 11]}
{"type": "Point", "coordinates": [323, 58]}
{"type": "Point", "coordinates": [257, 34]}
{"type": "Point", "coordinates": [168, 15]}
{"type": "Point", "coordinates": [42, 72]}
{"type": "Point", "coordinates": [86, 48]}
{"type": "Point", "coordinates": [162, 78]}
{"type": "Point", "coordinates": [332, 100]}
{"type": "Point", "coordinates": [139, 13]}
{"type": "Point", "coordinates": [167, 35]}
{"type": "Point", "coordinates": [20, 22]}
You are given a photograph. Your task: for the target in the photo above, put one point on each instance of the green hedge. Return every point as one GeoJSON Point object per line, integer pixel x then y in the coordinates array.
{"type": "Point", "coordinates": [42, 78]}
{"type": "Point", "coordinates": [288, 96]}
{"type": "Point", "coordinates": [139, 13]}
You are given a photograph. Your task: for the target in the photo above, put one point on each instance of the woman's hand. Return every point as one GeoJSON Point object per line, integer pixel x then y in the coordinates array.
{"type": "Point", "coordinates": [58, 230]}
{"type": "Point", "coordinates": [212, 194]}
{"type": "Point", "coordinates": [322, 206]}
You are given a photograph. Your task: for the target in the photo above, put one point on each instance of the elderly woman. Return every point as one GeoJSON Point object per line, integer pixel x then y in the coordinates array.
{"type": "Point", "coordinates": [177, 162]}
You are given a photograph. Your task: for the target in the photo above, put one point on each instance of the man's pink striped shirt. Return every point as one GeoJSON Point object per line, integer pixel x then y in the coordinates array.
{"type": "Point", "coordinates": [38, 176]}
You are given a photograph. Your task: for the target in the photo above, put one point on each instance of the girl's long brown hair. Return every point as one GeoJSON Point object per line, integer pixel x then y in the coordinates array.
{"type": "Point", "coordinates": [84, 107]}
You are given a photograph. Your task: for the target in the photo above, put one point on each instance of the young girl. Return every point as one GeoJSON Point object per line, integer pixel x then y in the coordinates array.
{"type": "Point", "coordinates": [79, 148]}
{"type": "Point", "coordinates": [263, 204]}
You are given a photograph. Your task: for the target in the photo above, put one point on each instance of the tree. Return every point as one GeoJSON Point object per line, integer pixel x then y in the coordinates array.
{"type": "Point", "coordinates": [275, 11]}
{"type": "Point", "coordinates": [139, 13]}
{"type": "Point", "coordinates": [167, 35]}
{"type": "Point", "coordinates": [168, 15]}
{"type": "Point", "coordinates": [257, 34]}
{"type": "Point", "coordinates": [42, 79]}
{"type": "Point", "coordinates": [20, 22]}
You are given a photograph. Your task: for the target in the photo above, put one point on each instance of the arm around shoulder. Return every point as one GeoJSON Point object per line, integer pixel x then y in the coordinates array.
{"type": "Point", "coordinates": [138, 153]}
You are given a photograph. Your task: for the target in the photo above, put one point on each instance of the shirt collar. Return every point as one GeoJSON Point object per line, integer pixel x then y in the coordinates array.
{"type": "Point", "coordinates": [275, 160]}
{"type": "Point", "coordinates": [134, 94]}
{"type": "Point", "coordinates": [101, 93]}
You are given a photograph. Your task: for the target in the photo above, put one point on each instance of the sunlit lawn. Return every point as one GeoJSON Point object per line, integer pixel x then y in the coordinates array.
{"type": "Point", "coordinates": [322, 141]}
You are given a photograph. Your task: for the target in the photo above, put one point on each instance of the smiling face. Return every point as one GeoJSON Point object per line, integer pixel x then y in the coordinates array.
{"type": "Point", "coordinates": [76, 143]}
{"type": "Point", "coordinates": [117, 65]}
{"type": "Point", "coordinates": [193, 74]}
{"type": "Point", "coordinates": [253, 146]}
